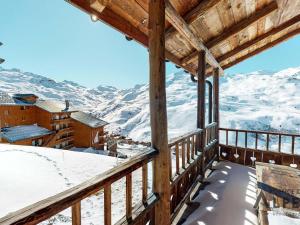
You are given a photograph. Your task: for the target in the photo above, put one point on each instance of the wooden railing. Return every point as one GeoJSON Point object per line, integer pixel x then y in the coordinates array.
{"type": "Point", "coordinates": [49, 207]}
{"type": "Point", "coordinates": [265, 146]}
{"type": "Point", "coordinates": [211, 144]}
{"type": "Point", "coordinates": [187, 163]}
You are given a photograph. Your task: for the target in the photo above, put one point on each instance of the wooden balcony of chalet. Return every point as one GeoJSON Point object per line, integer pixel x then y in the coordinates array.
{"type": "Point", "coordinates": [204, 38]}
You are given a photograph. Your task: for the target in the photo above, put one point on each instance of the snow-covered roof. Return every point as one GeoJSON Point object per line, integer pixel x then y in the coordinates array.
{"type": "Point", "coordinates": [6, 99]}
{"type": "Point", "coordinates": [53, 106]}
{"type": "Point", "coordinates": [88, 119]}
{"type": "Point", "coordinates": [17, 133]}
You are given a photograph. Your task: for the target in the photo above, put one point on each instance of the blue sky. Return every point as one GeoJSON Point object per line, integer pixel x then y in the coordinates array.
{"type": "Point", "coordinates": [55, 39]}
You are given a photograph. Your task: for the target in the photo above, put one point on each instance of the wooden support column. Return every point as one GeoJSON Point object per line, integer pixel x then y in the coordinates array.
{"type": "Point", "coordinates": [216, 111]}
{"type": "Point", "coordinates": [201, 104]}
{"type": "Point", "coordinates": [158, 110]}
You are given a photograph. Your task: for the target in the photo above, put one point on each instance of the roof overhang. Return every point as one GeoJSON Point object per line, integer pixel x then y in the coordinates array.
{"type": "Point", "coordinates": [228, 31]}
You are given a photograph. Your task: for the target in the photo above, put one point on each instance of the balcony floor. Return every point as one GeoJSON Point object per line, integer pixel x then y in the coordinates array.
{"type": "Point", "coordinates": [228, 199]}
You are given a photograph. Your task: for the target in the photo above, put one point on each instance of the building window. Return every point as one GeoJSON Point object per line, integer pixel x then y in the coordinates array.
{"type": "Point", "coordinates": [40, 142]}
{"type": "Point", "coordinates": [56, 117]}
{"type": "Point", "coordinates": [33, 143]}
{"type": "Point", "coordinates": [23, 107]}
{"type": "Point", "coordinates": [6, 112]}
{"type": "Point", "coordinates": [57, 127]}
{"type": "Point", "coordinates": [57, 146]}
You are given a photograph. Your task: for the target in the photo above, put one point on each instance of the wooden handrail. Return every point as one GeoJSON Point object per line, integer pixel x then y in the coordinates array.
{"type": "Point", "coordinates": [187, 174]}
{"type": "Point", "coordinates": [181, 138]}
{"type": "Point", "coordinates": [48, 207]}
{"type": "Point", "coordinates": [257, 133]}
{"type": "Point", "coordinates": [260, 132]}
{"type": "Point", "coordinates": [190, 160]}
{"type": "Point", "coordinates": [213, 124]}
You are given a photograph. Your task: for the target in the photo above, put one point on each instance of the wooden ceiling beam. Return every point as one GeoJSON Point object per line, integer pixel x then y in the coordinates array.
{"type": "Point", "coordinates": [250, 43]}
{"type": "Point", "coordinates": [236, 28]}
{"type": "Point", "coordinates": [194, 14]}
{"type": "Point", "coordinates": [99, 5]}
{"type": "Point", "coordinates": [240, 26]}
{"type": "Point", "coordinates": [182, 27]}
{"type": "Point", "coordinates": [263, 48]}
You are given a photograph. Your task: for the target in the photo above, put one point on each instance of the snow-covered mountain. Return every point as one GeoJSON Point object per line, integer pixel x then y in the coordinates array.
{"type": "Point", "coordinates": [259, 100]}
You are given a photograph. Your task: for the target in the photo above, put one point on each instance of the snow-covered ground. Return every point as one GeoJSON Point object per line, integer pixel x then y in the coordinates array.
{"type": "Point", "coordinates": [259, 100]}
{"type": "Point", "coordinates": [30, 174]}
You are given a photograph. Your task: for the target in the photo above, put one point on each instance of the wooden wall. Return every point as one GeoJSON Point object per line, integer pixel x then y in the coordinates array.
{"type": "Point", "coordinates": [43, 118]}
{"type": "Point", "coordinates": [13, 115]}
{"type": "Point", "coordinates": [28, 141]}
{"type": "Point", "coordinates": [84, 135]}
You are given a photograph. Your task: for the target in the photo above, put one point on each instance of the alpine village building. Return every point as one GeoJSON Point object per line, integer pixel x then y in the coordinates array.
{"type": "Point", "coordinates": [26, 120]}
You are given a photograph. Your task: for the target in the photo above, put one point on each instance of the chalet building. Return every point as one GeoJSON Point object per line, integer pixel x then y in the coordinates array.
{"type": "Point", "coordinates": [26, 120]}
{"type": "Point", "coordinates": [56, 117]}
{"type": "Point", "coordinates": [26, 135]}
{"type": "Point", "coordinates": [88, 130]}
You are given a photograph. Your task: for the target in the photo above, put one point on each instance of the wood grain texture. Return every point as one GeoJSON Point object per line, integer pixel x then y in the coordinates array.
{"type": "Point", "coordinates": [76, 214]}
{"type": "Point", "coordinates": [216, 108]}
{"type": "Point", "coordinates": [237, 28]}
{"type": "Point", "coordinates": [158, 110]}
{"type": "Point", "coordinates": [201, 104]}
{"type": "Point", "coordinates": [129, 196]}
{"type": "Point", "coordinates": [107, 204]}
{"type": "Point", "coordinates": [182, 27]}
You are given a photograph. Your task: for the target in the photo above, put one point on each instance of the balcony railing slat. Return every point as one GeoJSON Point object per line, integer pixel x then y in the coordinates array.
{"type": "Point", "coordinates": [279, 143]}
{"type": "Point", "coordinates": [188, 145]}
{"type": "Point", "coordinates": [129, 196]}
{"type": "Point", "coordinates": [76, 214]}
{"type": "Point", "coordinates": [183, 154]}
{"type": "Point", "coordinates": [145, 182]}
{"type": "Point", "coordinates": [267, 142]}
{"type": "Point", "coordinates": [107, 204]}
{"type": "Point", "coordinates": [293, 144]}
{"type": "Point", "coordinates": [193, 147]}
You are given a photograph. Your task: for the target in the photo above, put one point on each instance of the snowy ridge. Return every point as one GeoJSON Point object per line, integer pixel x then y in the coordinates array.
{"type": "Point", "coordinates": [259, 100]}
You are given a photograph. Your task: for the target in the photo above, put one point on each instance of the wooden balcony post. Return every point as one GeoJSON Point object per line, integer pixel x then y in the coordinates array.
{"type": "Point", "coordinates": [216, 107]}
{"type": "Point", "coordinates": [107, 205]}
{"type": "Point", "coordinates": [158, 110]}
{"type": "Point", "coordinates": [76, 214]}
{"type": "Point", "coordinates": [201, 104]}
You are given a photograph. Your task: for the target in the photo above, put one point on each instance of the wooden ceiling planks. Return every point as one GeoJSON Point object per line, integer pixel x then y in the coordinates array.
{"type": "Point", "coordinates": [131, 11]}
{"type": "Point", "coordinates": [182, 27]}
{"type": "Point", "coordinates": [237, 28]}
{"type": "Point", "coordinates": [262, 46]}
{"type": "Point", "coordinates": [231, 30]}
